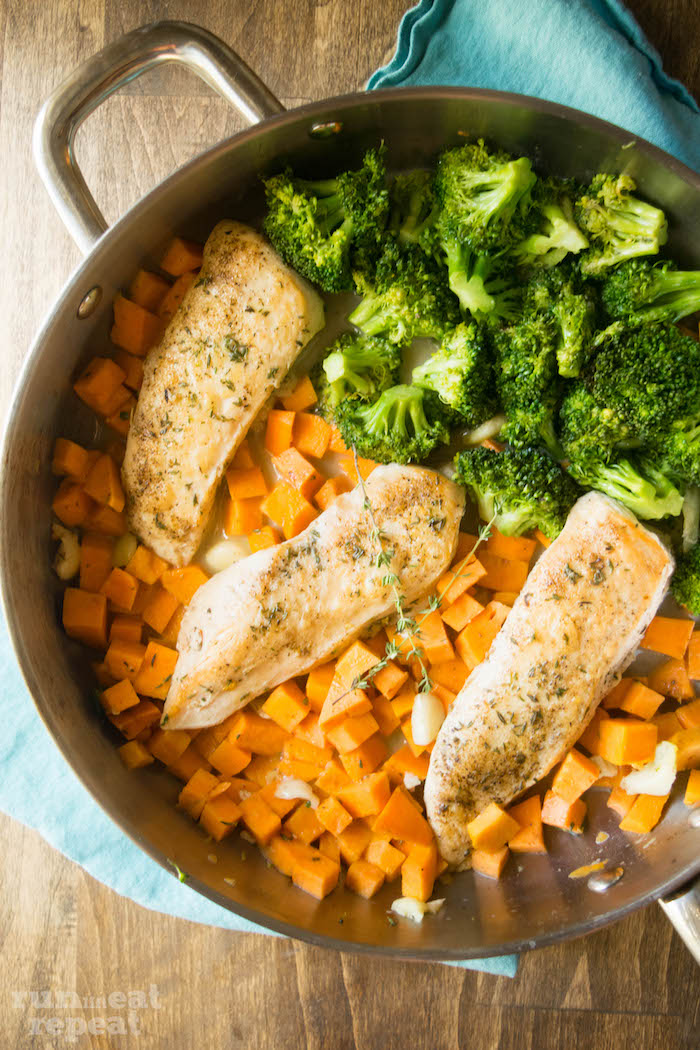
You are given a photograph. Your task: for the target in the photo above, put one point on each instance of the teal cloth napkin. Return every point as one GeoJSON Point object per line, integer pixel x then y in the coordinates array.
{"type": "Point", "coordinates": [591, 55]}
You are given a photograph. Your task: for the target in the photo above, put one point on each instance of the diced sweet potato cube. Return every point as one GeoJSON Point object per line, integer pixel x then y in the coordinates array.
{"type": "Point", "coordinates": [136, 719]}
{"type": "Point", "coordinates": [668, 635]}
{"type": "Point", "coordinates": [490, 862]}
{"type": "Point", "coordinates": [402, 819]}
{"type": "Point", "coordinates": [219, 817]}
{"type": "Point", "coordinates": [317, 875]}
{"type": "Point", "coordinates": [183, 583]}
{"type": "Point", "coordinates": [188, 764]}
{"type": "Point", "coordinates": [97, 385]}
{"type": "Point", "coordinates": [318, 683]}
{"type": "Point", "coordinates": [330, 490]}
{"type": "Point", "coordinates": [688, 743]}
{"type": "Point", "coordinates": [261, 539]}
{"type": "Point", "coordinates": [365, 758]}
{"type": "Point", "coordinates": [181, 256]}
{"type": "Point", "coordinates": [354, 841]}
{"type": "Point", "coordinates": [156, 671]}
{"type": "Point", "coordinates": [288, 508]}
{"type": "Point", "coordinates": [119, 697]}
{"type": "Point", "coordinates": [286, 705]}
{"type": "Point", "coordinates": [71, 504]}
{"type": "Point", "coordinates": [298, 472]}
{"type": "Point", "coordinates": [70, 459]}
{"type": "Point", "coordinates": [385, 857]}
{"type": "Point", "coordinates": [641, 701]}
{"type": "Point", "coordinates": [304, 825]}
{"type": "Point", "coordinates": [120, 588]}
{"type": "Point", "coordinates": [671, 679]}
{"type": "Point", "coordinates": [95, 560]}
{"type": "Point", "coordinates": [280, 426]}
{"type": "Point", "coordinates": [367, 796]}
{"type": "Point", "coordinates": [694, 656]}
{"type": "Point", "coordinates": [459, 578]}
{"type": "Point", "coordinates": [492, 828]}
{"type": "Point", "coordinates": [364, 878]}
{"type": "Point", "coordinates": [464, 609]}
{"type": "Point", "coordinates": [311, 434]}
{"type": "Point", "coordinates": [135, 755]}
{"type": "Point", "coordinates": [574, 776]}
{"type": "Point", "coordinates": [644, 813]}
{"type": "Point", "coordinates": [692, 789]}
{"type": "Point", "coordinates": [334, 816]}
{"type": "Point", "coordinates": [168, 745]}
{"type": "Point", "coordinates": [123, 658]}
{"type": "Point", "coordinates": [419, 871]}
{"type": "Point", "coordinates": [561, 814]}
{"type": "Point", "coordinates": [228, 758]}
{"type": "Point", "coordinates": [301, 397]}
{"type": "Point", "coordinates": [625, 740]}
{"type": "Point", "coordinates": [351, 732]}
{"type": "Point", "coordinates": [85, 617]}
{"type": "Point", "coordinates": [103, 484]}
{"type": "Point", "coordinates": [174, 296]}
{"type": "Point", "coordinates": [261, 821]}
{"type": "Point", "coordinates": [528, 838]}
{"type": "Point", "coordinates": [245, 483]}
{"type": "Point", "coordinates": [134, 328]}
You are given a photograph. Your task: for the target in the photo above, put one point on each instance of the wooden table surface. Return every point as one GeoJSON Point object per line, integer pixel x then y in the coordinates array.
{"type": "Point", "coordinates": [632, 985]}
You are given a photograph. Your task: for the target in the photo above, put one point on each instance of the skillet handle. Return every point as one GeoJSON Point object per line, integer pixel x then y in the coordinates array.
{"type": "Point", "coordinates": [103, 74]}
{"type": "Point", "coordinates": [683, 909]}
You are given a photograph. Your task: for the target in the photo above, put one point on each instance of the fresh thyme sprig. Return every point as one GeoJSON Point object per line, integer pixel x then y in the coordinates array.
{"type": "Point", "coordinates": [405, 624]}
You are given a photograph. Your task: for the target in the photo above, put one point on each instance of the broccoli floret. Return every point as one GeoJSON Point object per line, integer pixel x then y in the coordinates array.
{"type": "Point", "coordinates": [522, 488]}
{"type": "Point", "coordinates": [487, 288]}
{"type": "Point", "coordinates": [685, 584]}
{"type": "Point", "coordinates": [403, 425]}
{"type": "Point", "coordinates": [590, 431]}
{"type": "Point", "coordinates": [480, 193]}
{"type": "Point", "coordinates": [637, 483]}
{"type": "Point", "coordinates": [649, 376]}
{"type": "Point", "coordinates": [679, 449]}
{"type": "Point", "coordinates": [407, 298]}
{"type": "Point", "coordinates": [528, 382]}
{"type": "Point", "coordinates": [461, 375]}
{"type": "Point", "coordinates": [413, 208]}
{"type": "Point", "coordinates": [618, 225]}
{"type": "Point", "coordinates": [326, 229]}
{"type": "Point", "coordinates": [558, 294]}
{"type": "Point", "coordinates": [640, 291]}
{"type": "Point", "coordinates": [553, 233]}
{"type": "Point", "coordinates": [355, 366]}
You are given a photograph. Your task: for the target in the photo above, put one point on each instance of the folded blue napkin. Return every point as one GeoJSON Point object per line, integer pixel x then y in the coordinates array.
{"type": "Point", "coordinates": [516, 45]}
{"type": "Point", "coordinates": [589, 54]}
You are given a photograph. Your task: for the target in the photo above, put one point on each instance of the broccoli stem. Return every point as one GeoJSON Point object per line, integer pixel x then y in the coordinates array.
{"type": "Point", "coordinates": [469, 288]}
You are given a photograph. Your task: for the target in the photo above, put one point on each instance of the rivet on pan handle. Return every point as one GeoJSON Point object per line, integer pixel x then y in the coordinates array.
{"type": "Point", "coordinates": [102, 75]}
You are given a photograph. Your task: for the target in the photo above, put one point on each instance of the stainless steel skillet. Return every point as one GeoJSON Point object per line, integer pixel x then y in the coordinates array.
{"type": "Point", "coordinates": [529, 907]}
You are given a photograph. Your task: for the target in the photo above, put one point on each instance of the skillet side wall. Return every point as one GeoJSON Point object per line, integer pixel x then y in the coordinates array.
{"type": "Point", "coordinates": [533, 907]}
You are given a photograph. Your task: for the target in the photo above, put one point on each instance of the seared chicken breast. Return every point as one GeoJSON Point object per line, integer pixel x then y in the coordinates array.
{"type": "Point", "coordinates": [280, 611]}
{"type": "Point", "coordinates": [230, 343]}
{"type": "Point", "coordinates": [571, 632]}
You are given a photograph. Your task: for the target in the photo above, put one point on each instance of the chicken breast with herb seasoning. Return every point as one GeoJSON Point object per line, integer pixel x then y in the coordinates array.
{"type": "Point", "coordinates": [230, 343]}
{"type": "Point", "coordinates": [283, 610]}
{"type": "Point", "coordinates": [571, 632]}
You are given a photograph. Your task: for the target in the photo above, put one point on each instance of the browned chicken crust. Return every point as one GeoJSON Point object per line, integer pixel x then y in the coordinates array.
{"type": "Point", "coordinates": [229, 345]}
{"type": "Point", "coordinates": [280, 611]}
{"type": "Point", "coordinates": [571, 632]}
